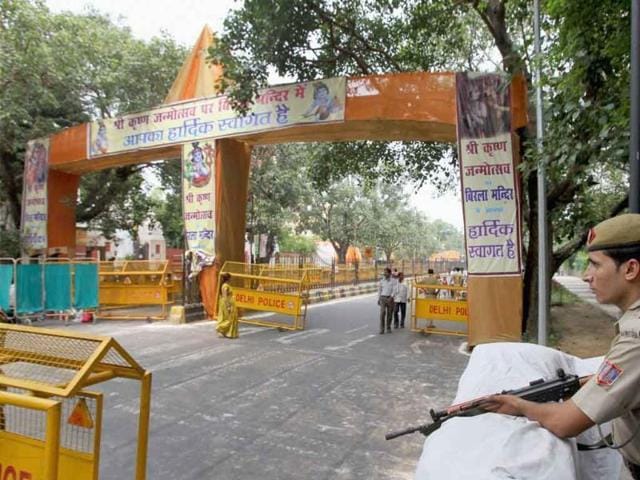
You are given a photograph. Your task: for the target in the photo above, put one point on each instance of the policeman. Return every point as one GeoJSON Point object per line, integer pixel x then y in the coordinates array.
{"type": "Point", "coordinates": [613, 393]}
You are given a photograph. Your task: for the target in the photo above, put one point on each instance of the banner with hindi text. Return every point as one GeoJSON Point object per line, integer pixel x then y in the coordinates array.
{"type": "Point", "coordinates": [198, 197]}
{"type": "Point", "coordinates": [34, 196]}
{"type": "Point", "coordinates": [275, 107]}
{"type": "Point", "coordinates": [488, 177]}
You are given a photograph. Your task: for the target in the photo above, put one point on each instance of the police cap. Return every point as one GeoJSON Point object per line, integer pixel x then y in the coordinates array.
{"type": "Point", "coordinates": [617, 232]}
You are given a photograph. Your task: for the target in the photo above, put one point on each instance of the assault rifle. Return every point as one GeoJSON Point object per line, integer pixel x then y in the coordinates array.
{"type": "Point", "coordinates": [539, 391]}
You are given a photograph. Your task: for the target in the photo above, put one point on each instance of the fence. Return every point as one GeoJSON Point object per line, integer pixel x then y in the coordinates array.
{"type": "Point", "coordinates": [50, 425]}
{"type": "Point", "coordinates": [135, 283]}
{"type": "Point", "coordinates": [441, 303]}
{"type": "Point", "coordinates": [337, 274]}
{"type": "Point", "coordinates": [320, 275]}
{"type": "Point", "coordinates": [44, 287]}
{"type": "Point", "coordinates": [282, 291]}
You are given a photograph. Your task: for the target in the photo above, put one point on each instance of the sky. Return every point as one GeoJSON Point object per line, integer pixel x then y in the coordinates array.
{"type": "Point", "coordinates": [183, 20]}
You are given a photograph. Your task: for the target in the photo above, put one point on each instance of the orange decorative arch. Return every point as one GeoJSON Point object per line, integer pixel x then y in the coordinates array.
{"type": "Point", "coordinates": [398, 106]}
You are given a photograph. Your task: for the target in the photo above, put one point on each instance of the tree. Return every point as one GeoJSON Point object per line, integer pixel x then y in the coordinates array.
{"type": "Point", "coordinates": [58, 70]}
{"type": "Point", "coordinates": [586, 81]}
{"type": "Point", "coordinates": [278, 184]}
{"type": "Point", "coordinates": [300, 244]}
{"type": "Point", "coordinates": [388, 219]}
{"type": "Point", "coordinates": [127, 212]}
{"type": "Point", "coordinates": [338, 214]}
{"type": "Point", "coordinates": [419, 237]}
{"type": "Point", "coordinates": [168, 208]}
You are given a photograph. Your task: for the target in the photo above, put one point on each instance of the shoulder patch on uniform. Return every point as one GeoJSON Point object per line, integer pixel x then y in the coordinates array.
{"type": "Point", "coordinates": [608, 373]}
{"type": "Point", "coordinates": [630, 333]}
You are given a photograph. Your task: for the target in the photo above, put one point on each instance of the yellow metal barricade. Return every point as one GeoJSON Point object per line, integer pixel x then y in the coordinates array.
{"type": "Point", "coordinates": [135, 283]}
{"type": "Point", "coordinates": [50, 426]}
{"type": "Point", "coordinates": [282, 291]}
{"type": "Point", "coordinates": [442, 303]}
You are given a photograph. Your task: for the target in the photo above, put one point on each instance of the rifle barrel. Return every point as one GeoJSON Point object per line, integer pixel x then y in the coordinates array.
{"type": "Point", "coordinates": [406, 431]}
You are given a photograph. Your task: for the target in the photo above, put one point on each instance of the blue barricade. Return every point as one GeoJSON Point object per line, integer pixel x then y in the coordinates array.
{"type": "Point", "coordinates": [86, 286]}
{"type": "Point", "coordinates": [6, 279]}
{"type": "Point", "coordinates": [57, 286]}
{"type": "Point", "coordinates": [29, 292]}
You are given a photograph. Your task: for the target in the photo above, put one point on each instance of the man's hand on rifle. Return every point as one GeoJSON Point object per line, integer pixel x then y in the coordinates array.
{"type": "Point", "coordinates": [562, 419]}
{"type": "Point", "coordinates": [507, 404]}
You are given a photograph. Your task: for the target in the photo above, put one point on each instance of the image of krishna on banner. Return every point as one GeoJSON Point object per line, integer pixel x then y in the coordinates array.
{"type": "Point", "coordinates": [198, 203]}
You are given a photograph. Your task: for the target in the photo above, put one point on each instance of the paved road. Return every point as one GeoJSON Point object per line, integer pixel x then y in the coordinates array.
{"type": "Point", "coordinates": [274, 405]}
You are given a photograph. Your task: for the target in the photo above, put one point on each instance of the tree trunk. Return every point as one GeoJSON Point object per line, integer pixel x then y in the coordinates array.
{"type": "Point", "coordinates": [11, 184]}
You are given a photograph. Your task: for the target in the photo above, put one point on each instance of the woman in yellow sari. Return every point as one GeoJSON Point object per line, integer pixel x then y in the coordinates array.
{"type": "Point", "coordinates": [227, 311]}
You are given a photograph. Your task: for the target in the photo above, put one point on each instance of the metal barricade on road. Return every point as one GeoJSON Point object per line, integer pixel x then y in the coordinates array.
{"type": "Point", "coordinates": [50, 425]}
{"type": "Point", "coordinates": [135, 283]}
{"type": "Point", "coordinates": [438, 307]}
{"type": "Point", "coordinates": [257, 287]}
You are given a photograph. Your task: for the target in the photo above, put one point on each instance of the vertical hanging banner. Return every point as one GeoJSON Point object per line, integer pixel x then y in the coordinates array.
{"type": "Point", "coordinates": [488, 177]}
{"type": "Point", "coordinates": [34, 196]}
{"type": "Point", "coordinates": [198, 201]}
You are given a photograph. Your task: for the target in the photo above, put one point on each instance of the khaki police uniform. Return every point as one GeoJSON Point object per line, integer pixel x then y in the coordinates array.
{"type": "Point", "coordinates": [613, 393]}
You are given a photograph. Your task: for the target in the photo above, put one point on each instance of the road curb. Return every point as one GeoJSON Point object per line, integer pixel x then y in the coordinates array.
{"type": "Point", "coordinates": [318, 296]}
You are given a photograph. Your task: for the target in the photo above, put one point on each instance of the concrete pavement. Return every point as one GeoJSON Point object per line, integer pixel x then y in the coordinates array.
{"type": "Point", "coordinates": [279, 405]}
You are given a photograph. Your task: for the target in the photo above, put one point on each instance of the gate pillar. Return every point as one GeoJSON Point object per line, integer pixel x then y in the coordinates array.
{"type": "Point", "coordinates": [233, 161]}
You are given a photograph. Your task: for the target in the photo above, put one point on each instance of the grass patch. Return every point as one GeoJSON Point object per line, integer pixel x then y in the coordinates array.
{"type": "Point", "coordinates": [561, 296]}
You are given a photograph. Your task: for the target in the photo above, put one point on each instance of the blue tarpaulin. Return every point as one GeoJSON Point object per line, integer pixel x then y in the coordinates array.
{"type": "Point", "coordinates": [86, 286]}
{"type": "Point", "coordinates": [6, 278]}
{"type": "Point", "coordinates": [57, 282]}
{"type": "Point", "coordinates": [29, 291]}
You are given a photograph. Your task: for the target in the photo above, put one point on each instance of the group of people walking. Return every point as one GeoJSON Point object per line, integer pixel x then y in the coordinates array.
{"type": "Point", "coordinates": [392, 298]}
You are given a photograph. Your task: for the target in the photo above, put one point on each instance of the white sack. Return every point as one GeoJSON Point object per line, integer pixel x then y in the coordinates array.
{"type": "Point", "coordinates": [493, 446]}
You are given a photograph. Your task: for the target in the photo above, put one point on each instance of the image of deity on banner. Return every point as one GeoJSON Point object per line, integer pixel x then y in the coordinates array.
{"type": "Point", "coordinates": [324, 103]}
{"type": "Point", "coordinates": [198, 164]}
{"type": "Point", "coordinates": [483, 105]}
{"type": "Point", "coordinates": [35, 166]}
{"type": "Point", "coordinates": [100, 145]}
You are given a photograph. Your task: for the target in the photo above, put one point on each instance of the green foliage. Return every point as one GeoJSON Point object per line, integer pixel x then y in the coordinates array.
{"type": "Point", "coordinates": [9, 243]}
{"type": "Point", "coordinates": [167, 210]}
{"type": "Point", "coordinates": [58, 70]}
{"type": "Point", "coordinates": [286, 195]}
{"type": "Point", "coordinates": [278, 186]}
{"type": "Point", "coordinates": [127, 212]}
{"type": "Point", "coordinates": [562, 296]}
{"type": "Point", "coordinates": [395, 162]}
{"type": "Point", "coordinates": [338, 213]}
{"type": "Point", "coordinates": [291, 243]}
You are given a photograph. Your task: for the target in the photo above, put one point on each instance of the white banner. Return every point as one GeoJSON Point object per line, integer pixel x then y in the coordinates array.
{"type": "Point", "coordinates": [34, 196]}
{"type": "Point", "coordinates": [275, 107]}
{"type": "Point", "coordinates": [488, 177]}
{"type": "Point", "coordinates": [199, 196]}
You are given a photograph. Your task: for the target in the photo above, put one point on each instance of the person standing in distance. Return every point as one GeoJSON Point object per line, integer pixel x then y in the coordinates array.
{"type": "Point", "coordinates": [400, 302]}
{"type": "Point", "coordinates": [386, 291]}
{"type": "Point", "coordinates": [613, 393]}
